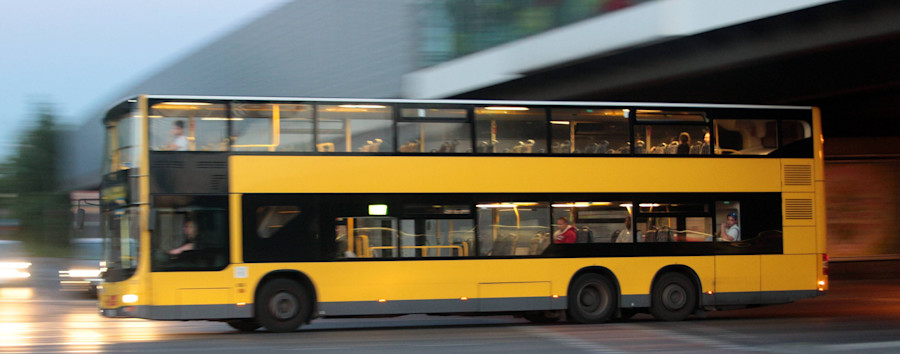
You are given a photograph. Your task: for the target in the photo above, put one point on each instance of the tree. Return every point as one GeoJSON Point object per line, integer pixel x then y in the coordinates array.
{"type": "Point", "coordinates": [32, 174]}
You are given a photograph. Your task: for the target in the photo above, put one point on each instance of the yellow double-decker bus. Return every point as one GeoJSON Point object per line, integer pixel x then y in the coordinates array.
{"type": "Point", "coordinates": [271, 212]}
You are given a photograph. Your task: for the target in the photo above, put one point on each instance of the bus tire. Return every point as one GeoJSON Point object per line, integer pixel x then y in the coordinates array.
{"type": "Point", "coordinates": [674, 297]}
{"type": "Point", "coordinates": [282, 305]}
{"type": "Point", "coordinates": [245, 325]}
{"type": "Point", "coordinates": [592, 299]}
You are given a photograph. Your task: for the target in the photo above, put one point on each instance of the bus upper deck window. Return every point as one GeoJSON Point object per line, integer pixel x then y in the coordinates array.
{"type": "Point", "coordinates": [744, 136]}
{"type": "Point", "coordinates": [671, 133]}
{"type": "Point", "coordinates": [271, 127]}
{"type": "Point", "coordinates": [510, 129]}
{"type": "Point", "coordinates": [589, 131]}
{"type": "Point", "coordinates": [355, 127]}
{"type": "Point", "coordinates": [188, 126]}
{"type": "Point", "coordinates": [434, 130]}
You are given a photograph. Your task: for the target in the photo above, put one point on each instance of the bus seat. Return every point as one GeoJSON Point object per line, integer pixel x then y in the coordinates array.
{"type": "Point", "coordinates": [534, 244]}
{"type": "Point", "coordinates": [325, 147]}
{"type": "Point", "coordinates": [412, 146]}
{"type": "Point", "coordinates": [664, 235]}
{"type": "Point", "coordinates": [639, 148]}
{"type": "Point", "coordinates": [695, 149]}
{"type": "Point", "coordinates": [672, 149]}
{"type": "Point", "coordinates": [583, 235]}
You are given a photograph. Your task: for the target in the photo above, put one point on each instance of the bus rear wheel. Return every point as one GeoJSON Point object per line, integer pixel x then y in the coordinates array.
{"type": "Point", "coordinates": [283, 305]}
{"type": "Point", "coordinates": [674, 297]}
{"type": "Point", "coordinates": [592, 299]}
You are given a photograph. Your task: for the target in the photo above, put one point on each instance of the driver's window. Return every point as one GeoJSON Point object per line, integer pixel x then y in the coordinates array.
{"type": "Point", "coordinates": [190, 233]}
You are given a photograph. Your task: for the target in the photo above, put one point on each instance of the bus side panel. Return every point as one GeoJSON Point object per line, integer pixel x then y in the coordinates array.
{"type": "Point", "coordinates": [737, 274]}
{"type": "Point", "coordinates": [799, 239]}
{"type": "Point", "coordinates": [821, 228]}
{"type": "Point", "coordinates": [266, 174]}
{"type": "Point", "coordinates": [193, 288]}
{"type": "Point", "coordinates": [789, 272]}
{"type": "Point", "coordinates": [362, 287]}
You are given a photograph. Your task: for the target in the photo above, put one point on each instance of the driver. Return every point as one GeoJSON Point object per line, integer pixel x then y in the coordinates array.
{"type": "Point", "coordinates": [190, 236]}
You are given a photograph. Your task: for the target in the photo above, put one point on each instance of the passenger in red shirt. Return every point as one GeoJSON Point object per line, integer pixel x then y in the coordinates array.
{"type": "Point", "coordinates": [565, 232]}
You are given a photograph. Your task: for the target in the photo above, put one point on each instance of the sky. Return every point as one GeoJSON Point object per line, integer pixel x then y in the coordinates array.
{"type": "Point", "coordinates": [74, 54]}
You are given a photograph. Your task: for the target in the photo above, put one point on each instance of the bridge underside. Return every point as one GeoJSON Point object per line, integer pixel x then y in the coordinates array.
{"type": "Point", "coordinates": [843, 57]}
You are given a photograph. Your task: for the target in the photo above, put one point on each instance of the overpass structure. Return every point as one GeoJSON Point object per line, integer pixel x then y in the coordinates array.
{"type": "Point", "coordinates": [840, 55]}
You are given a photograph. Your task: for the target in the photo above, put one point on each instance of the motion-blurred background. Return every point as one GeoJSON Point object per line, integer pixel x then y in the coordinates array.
{"type": "Point", "coordinates": [64, 63]}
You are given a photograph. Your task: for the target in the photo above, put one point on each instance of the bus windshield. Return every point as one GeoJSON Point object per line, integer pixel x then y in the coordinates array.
{"type": "Point", "coordinates": [120, 244]}
{"type": "Point", "coordinates": [121, 140]}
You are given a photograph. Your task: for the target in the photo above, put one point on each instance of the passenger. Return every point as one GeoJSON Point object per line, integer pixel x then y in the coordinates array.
{"type": "Point", "coordinates": [190, 236]}
{"type": "Point", "coordinates": [623, 235]}
{"type": "Point", "coordinates": [565, 233]}
{"type": "Point", "coordinates": [704, 150]}
{"type": "Point", "coordinates": [640, 148]}
{"type": "Point", "coordinates": [730, 230]}
{"type": "Point", "coordinates": [684, 143]}
{"type": "Point", "coordinates": [179, 141]}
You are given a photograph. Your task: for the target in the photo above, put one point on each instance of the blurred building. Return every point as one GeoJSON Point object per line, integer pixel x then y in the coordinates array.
{"type": "Point", "coordinates": [839, 55]}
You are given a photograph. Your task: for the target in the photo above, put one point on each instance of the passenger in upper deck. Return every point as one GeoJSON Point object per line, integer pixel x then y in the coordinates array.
{"type": "Point", "coordinates": [684, 143]}
{"type": "Point", "coordinates": [179, 140]}
{"type": "Point", "coordinates": [704, 149]}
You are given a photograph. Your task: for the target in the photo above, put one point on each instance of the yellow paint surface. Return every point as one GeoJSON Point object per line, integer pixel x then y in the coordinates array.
{"type": "Point", "coordinates": [789, 272]}
{"type": "Point", "coordinates": [799, 239]}
{"type": "Point", "coordinates": [737, 273]}
{"type": "Point", "coordinates": [489, 174]}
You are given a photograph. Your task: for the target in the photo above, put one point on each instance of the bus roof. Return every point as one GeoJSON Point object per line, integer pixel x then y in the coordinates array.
{"type": "Point", "coordinates": [467, 101]}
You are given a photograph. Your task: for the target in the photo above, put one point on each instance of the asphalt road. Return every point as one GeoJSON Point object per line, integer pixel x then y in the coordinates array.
{"type": "Point", "coordinates": [855, 316]}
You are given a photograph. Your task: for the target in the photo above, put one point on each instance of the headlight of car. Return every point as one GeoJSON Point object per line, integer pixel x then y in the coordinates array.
{"type": "Point", "coordinates": [84, 273]}
{"type": "Point", "coordinates": [14, 270]}
{"type": "Point", "coordinates": [15, 265]}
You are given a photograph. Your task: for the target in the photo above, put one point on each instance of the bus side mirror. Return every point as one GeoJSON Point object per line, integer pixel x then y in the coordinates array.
{"type": "Point", "coordinates": [79, 219]}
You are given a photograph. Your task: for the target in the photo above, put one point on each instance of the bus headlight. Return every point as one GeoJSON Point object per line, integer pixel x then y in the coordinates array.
{"type": "Point", "coordinates": [129, 298]}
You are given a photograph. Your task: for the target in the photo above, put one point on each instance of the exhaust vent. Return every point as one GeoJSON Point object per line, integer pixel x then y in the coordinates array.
{"type": "Point", "coordinates": [798, 209]}
{"type": "Point", "coordinates": [798, 175]}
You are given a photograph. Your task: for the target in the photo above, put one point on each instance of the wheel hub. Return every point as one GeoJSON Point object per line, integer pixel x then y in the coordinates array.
{"type": "Point", "coordinates": [674, 297]}
{"type": "Point", "coordinates": [284, 306]}
{"type": "Point", "coordinates": [591, 299]}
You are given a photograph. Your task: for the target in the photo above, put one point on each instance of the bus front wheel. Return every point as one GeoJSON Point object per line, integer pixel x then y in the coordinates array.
{"type": "Point", "coordinates": [674, 297]}
{"type": "Point", "coordinates": [283, 305]}
{"type": "Point", "coordinates": [592, 299]}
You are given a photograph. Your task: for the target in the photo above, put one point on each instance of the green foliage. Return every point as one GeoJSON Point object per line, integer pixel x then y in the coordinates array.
{"type": "Point", "coordinates": [32, 175]}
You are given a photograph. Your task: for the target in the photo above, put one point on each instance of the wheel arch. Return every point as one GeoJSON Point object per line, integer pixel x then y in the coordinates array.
{"type": "Point", "coordinates": [297, 276]}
